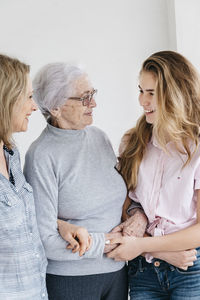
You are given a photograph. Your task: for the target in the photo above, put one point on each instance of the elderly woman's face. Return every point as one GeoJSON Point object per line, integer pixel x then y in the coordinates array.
{"type": "Point", "coordinates": [73, 115]}
{"type": "Point", "coordinates": [23, 108]}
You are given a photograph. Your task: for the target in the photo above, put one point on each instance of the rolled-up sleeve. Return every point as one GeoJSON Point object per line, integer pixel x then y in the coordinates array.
{"type": "Point", "coordinates": [134, 203]}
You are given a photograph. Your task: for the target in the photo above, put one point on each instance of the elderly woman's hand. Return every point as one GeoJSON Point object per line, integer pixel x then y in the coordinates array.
{"type": "Point", "coordinates": [77, 237]}
{"type": "Point", "coordinates": [134, 226]}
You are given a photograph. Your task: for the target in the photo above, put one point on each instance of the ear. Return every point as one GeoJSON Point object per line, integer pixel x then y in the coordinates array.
{"type": "Point", "coordinates": [55, 112]}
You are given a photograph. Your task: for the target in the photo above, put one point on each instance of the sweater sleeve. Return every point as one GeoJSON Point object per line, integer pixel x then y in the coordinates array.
{"type": "Point", "coordinates": [135, 203]}
{"type": "Point", "coordinates": [45, 188]}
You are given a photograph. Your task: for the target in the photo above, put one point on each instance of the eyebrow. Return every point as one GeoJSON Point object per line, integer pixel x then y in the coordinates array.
{"type": "Point", "coordinates": [147, 90]}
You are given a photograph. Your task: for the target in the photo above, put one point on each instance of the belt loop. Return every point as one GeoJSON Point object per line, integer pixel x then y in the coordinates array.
{"type": "Point", "coordinates": [140, 264]}
{"type": "Point", "coordinates": [172, 268]}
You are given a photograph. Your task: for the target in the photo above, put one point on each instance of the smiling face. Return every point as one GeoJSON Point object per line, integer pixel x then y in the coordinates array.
{"type": "Point", "coordinates": [73, 115]}
{"type": "Point", "coordinates": [23, 108]}
{"type": "Point", "coordinates": [147, 97]}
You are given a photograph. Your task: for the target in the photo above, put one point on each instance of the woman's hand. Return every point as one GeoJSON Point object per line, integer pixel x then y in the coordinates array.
{"type": "Point", "coordinates": [180, 259]}
{"type": "Point", "coordinates": [129, 248]}
{"type": "Point", "coordinates": [77, 237]}
{"type": "Point", "coordinates": [134, 225]}
{"type": "Point", "coordinates": [108, 237]}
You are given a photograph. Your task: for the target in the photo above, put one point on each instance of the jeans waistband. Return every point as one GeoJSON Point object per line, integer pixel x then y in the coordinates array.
{"type": "Point", "coordinates": [142, 263]}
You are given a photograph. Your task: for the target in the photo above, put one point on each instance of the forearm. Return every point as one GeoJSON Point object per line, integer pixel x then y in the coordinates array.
{"type": "Point", "coordinates": [182, 240]}
{"type": "Point", "coordinates": [55, 247]}
{"type": "Point", "coordinates": [136, 224]}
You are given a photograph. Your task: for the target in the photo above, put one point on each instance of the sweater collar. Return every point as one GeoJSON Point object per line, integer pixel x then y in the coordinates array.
{"type": "Point", "coordinates": [64, 132]}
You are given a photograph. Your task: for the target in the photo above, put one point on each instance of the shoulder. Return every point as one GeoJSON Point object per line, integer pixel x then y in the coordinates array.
{"type": "Point", "coordinates": [40, 143]}
{"type": "Point", "coordinates": [38, 149]}
{"type": "Point", "coordinates": [99, 139]}
{"type": "Point", "coordinates": [97, 132]}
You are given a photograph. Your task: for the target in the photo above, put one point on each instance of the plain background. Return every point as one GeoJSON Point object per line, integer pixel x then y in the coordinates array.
{"type": "Point", "coordinates": [109, 38]}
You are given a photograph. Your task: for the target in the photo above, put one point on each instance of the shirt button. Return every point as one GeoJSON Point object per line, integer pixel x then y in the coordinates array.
{"type": "Point", "coordinates": [43, 295]}
{"type": "Point", "coordinates": [9, 203]}
{"type": "Point", "coordinates": [37, 255]}
{"type": "Point", "coordinates": [156, 263]}
{"type": "Point", "coordinates": [31, 233]}
{"type": "Point", "coordinates": [16, 190]}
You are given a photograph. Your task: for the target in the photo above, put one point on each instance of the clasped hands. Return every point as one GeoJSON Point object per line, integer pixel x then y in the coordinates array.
{"type": "Point", "coordinates": [129, 245]}
{"type": "Point", "coordinates": [79, 240]}
{"type": "Point", "coordinates": [125, 241]}
{"type": "Point", "coordinates": [124, 235]}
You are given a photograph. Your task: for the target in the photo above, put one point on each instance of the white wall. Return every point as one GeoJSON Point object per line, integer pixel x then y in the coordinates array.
{"type": "Point", "coordinates": [110, 38]}
{"type": "Point", "coordinates": [188, 29]}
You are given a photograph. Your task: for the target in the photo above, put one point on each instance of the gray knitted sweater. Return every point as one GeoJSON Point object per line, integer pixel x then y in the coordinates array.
{"type": "Point", "coordinates": [73, 178]}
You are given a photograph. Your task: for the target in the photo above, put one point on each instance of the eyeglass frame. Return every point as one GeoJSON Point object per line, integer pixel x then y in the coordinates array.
{"type": "Point", "coordinates": [86, 100]}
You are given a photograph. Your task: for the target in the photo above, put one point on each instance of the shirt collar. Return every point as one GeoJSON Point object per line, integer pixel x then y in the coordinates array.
{"type": "Point", "coordinates": [10, 151]}
{"type": "Point", "coordinates": [156, 144]}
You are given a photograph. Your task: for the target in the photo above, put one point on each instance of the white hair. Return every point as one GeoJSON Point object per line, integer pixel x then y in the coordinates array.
{"type": "Point", "coordinates": [53, 84]}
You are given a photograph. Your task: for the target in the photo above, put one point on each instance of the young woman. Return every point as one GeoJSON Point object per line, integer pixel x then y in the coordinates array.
{"type": "Point", "coordinates": [161, 165]}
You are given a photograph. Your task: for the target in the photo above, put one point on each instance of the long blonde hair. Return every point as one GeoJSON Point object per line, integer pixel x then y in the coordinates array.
{"type": "Point", "coordinates": [178, 111]}
{"type": "Point", "coordinates": [13, 83]}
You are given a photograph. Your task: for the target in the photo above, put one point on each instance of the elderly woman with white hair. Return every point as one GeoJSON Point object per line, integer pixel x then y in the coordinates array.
{"type": "Point", "coordinates": [71, 167]}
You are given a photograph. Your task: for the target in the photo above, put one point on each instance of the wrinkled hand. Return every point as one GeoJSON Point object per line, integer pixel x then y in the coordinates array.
{"type": "Point", "coordinates": [108, 237]}
{"type": "Point", "coordinates": [77, 237]}
{"type": "Point", "coordinates": [129, 248]}
{"type": "Point", "coordinates": [180, 259]}
{"type": "Point", "coordinates": [134, 226]}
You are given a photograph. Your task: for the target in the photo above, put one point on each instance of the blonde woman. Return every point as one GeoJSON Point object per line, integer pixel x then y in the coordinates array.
{"type": "Point", "coordinates": [22, 258]}
{"type": "Point", "coordinates": [161, 165]}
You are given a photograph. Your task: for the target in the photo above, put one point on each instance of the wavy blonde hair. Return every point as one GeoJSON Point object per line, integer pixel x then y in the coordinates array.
{"type": "Point", "coordinates": [13, 84]}
{"type": "Point", "coordinates": [178, 113]}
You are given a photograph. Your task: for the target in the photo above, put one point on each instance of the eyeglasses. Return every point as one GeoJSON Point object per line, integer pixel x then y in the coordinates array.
{"type": "Point", "coordinates": [86, 99]}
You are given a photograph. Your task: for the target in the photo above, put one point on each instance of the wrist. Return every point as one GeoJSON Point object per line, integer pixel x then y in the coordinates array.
{"type": "Point", "coordinates": [143, 244]}
{"type": "Point", "coordinates": [135, 210]}
{"type": "Point", "coordinates": [59, 222]}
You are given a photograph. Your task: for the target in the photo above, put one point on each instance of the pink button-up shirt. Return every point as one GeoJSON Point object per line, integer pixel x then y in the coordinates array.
{"type": "Point", "coordinates": [166, 190]}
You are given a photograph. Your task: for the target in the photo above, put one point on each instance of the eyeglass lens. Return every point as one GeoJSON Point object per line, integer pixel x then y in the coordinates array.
{"type": "Point", "coordinates": [87, 99]}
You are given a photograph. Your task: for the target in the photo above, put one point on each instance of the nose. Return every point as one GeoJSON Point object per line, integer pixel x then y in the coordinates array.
{"type": "Point", "coordinates": [143, 99]}
{"type": "Point", "coordinates": [93, 103]}
{"type": "Point", "coordinates": [34, 105]}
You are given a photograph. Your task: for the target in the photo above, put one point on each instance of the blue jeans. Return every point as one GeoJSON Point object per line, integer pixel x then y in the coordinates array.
{"type": "Point", "coordinates": [161, 281]}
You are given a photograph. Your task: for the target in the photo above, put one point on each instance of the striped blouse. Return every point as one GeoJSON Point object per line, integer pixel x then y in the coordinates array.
{"type": "Point", "coordinates": [22, 257]}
